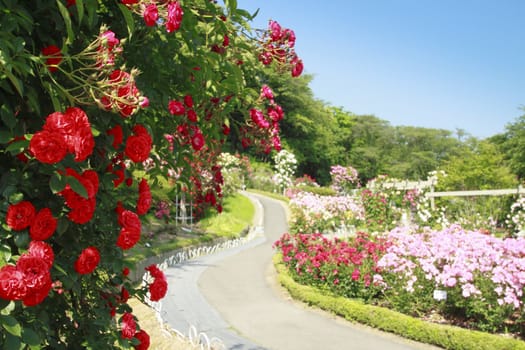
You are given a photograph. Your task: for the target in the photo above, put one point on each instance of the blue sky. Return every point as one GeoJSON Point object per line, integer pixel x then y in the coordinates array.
{"type": "Point", "coordinates": [444, 64]}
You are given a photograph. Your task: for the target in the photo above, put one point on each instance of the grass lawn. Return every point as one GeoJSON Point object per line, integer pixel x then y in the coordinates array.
{"type": "Point", "coordinates": [158, 237]}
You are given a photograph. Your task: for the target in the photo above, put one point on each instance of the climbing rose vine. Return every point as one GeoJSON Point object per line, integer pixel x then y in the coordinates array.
{"type": "Point", "coordinates": [99, 100]}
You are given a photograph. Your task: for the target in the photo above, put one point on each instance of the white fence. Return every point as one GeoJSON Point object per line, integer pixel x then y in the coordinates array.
{"type": "Point", "coordinates": [429, 184]}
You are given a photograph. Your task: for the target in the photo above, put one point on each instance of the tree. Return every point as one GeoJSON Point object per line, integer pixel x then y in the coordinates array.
{"type": "Point", "coordinates": [512, 142]}
{"type": "Point", "coordinates": [479, 166]}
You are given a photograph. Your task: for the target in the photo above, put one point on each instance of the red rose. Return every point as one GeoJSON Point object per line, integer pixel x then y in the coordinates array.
{"type": "Point", "coordinates": [158, 289]}
{"type": "Point", "coordinates": [54, 57]}
{"type": "Point", "coordinates": [119, 173]}
{"type": "Point", "coordinates": [145, 199]}
{"type": "Point", "coordinates": [175, 14]}
{"type": "Point", "coordinates": [87, 261]}
{"type": "Point", "coordinates": [138, 148]}
{"type": "Point", "coordinates": [192, 116]}
{"type": "Point", "coordinates": [74, 125]}
{"type": "Point", "coordinates": [12, 285]}
{"type": "Point", "coordinates": [197, 141]}
{"type": "Point", "coordinates": [176, 107]}
{"type": "Point", "coordinates": [43, 226]}
{"type": "Point", "coordinates": [125, 271]}
{"type": "Point", "coordinates": [143, 339]}
{"type": "Point", "coordinates": [154, 271]}
{"type": "Point", "coordinates": [48, 147]}
{"type": "Point", "coordinates": [82, 210]}
{"type": "Point", "coordinates": [124, 295]}
{"type": "Point", "coordinates": [117, 134]}
{"type": "Point", "coordinates": [129, 327]}
{"type": "Point", "coordinates": [151, 14]}
{"type": "Point", "coordinates": [38, 293]}
{"type": "Point", "coordinates": [188, 101]}
{"type": "Point", "coordinates": [127, 218]}
{"type": "Point", "coordinates": [20, 216]}
{"type": "Point", "coordinates": [36, 277]}
{"type": "Point", "coordinates": [128, 237]}
{"type": "Point", "coordinates": [43, 251]}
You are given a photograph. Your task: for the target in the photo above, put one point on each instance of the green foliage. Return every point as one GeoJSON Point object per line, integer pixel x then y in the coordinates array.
{"type": "Point", "coordinates": [237, 216]}
{"type": "Point", "coordinates": [512, 143]}
{"type": "Point", "coordinates": [479, 165]}
{"type": "Point", "coordinates": [70, 86]}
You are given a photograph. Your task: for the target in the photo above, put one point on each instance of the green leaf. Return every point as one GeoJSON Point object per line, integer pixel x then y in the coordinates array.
{"type": "Point", "coordinates": [5, 252]}
{"type": "Point", "coordinates": [80, 10]}
{"type": "Point", "coordinates": [4, 304]}
{"type": "Point", "coordinates": [17, 146]}
{"type": "Point", "coordinates": [22, 239]}
{"type": "Point", "coordinates": [8, 308]}
{"type": "Point", "coordinates": [16, 82]}
{"type": "Point", "coordinates": [12, 342]}
{"type": "Point", "coordinates": [232, 6]}
{"type": "Point", "coordinates": [30, 337]}
{"type": "Point", "coordinates": [62, 226]}
{"type": "Point", "coordinates": [53, 95]}
{"type": "Point", "coordinates": [8, 116]}
{"type": "Point", "coordinates": [10, 324]}
{"type": "Point", "coordinates": [67, 20]}
{"type": "Point", "coordinates": [77, 186]}
{"type": "Point", "coordinates": [57, 182]}
{"type": "Point", "coordinates": [5, 136]}
{"type": "Point", "coordinates": [128, 17]}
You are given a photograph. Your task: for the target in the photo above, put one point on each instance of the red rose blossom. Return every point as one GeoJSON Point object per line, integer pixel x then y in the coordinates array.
{"type": "Point", "coordinates": [143, 339]}
{"type": "Point", "coordinates": [20, 216]}
{"type": "Point", "coordinates": [145, 199]}
{"type": "Point", "coordinates": [74, 126]}
{"type": "Point", "coordinates": [54, 57]}
{"type": "Point", "coordinates": [127, 218]}
{"type": "Point", "coordinates": [158, 289]}
{"type": "Point", "coordinates": [174, 19]}
{"type": "Point", "coordinates": [129, 327]}
{"type": "Point", "coordinates": [82, 210]}
{"type": "Point", "coordinates": [188, 101]}
{"type": "Point", "coordinates": [151, 14]}
{"type": "Point", "coordinates": [36, 277]}
{"type": "Point", "coordinates": [197, 141]}
{"type": "Point", "coordinates": [43, 226]}
{"type": "Point", "coordinates": [43, 251]}
{"type": "Point", "coordinates": [154, 271]}
{"type": "Point", "coordinates": [117, 134]}
{"type": "Point", "coordinates": [48, 147]}
{"type": "Point", "coordinates": [176, 107]}
{"type": "Point", "coordinates": [138, 148]}
{"type": "Point", "coordinates": [87, 261]}
{"type": "Point", "coordinates": [12, 285]}
{"type": "Point", "coordinates": [128, 237]}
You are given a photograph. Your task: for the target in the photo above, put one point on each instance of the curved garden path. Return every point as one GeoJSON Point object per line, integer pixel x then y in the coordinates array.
{"type": "Point", "coordinates": [234, 296]}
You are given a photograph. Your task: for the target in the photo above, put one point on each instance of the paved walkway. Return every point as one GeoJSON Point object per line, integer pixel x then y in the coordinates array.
{"type": "Point", "coordinates": [233, 296]}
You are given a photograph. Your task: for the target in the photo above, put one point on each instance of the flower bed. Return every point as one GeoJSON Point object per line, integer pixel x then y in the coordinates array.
{"type": "Point", "coordinates": [315, 213]}
{"type": "Point", "coordinates": [483, 276]}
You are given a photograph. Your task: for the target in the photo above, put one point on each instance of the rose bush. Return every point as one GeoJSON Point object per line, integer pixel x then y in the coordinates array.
{"type": "Point", "coordinates": [99, 100]}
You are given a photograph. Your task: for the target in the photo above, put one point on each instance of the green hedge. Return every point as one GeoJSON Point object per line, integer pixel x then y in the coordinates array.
{"type": "Point", "coordinates": [448, 337]}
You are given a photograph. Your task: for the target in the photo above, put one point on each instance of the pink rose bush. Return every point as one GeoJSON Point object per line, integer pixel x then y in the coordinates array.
{"type": "Point", "coordinates": [483, 276]}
